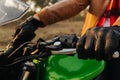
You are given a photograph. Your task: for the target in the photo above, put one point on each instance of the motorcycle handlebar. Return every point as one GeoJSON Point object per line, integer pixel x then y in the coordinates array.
{"type": "Point", "coordinates": [55, 47]}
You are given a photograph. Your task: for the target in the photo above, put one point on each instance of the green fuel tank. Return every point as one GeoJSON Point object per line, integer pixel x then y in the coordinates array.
{"type": "Point", "coordinates": [64, 67]}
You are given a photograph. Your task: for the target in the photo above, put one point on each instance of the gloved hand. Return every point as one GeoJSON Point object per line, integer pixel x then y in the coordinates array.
{"type": "Point", "coordinates": [25, 32]}
{"type": "Point", "coordinates": [99, 43]}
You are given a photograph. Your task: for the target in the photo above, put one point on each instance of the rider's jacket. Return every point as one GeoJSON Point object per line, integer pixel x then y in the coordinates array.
{"type": "Point", "coordinates": [65, 9]}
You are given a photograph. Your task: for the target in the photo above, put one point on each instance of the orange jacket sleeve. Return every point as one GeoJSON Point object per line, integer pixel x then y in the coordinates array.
{"type": "Point", "coordinates": [61, 10]}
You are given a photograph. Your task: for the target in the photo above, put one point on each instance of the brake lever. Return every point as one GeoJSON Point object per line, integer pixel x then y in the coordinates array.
{"type": "Point", "coordinates": [65, 51]}
{"type": "Point", "coordinates": [57, 48]}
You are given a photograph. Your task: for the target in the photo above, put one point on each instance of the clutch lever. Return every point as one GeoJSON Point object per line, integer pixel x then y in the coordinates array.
{"type": "Point", "coordinates": [57, 48]}
{"type": "Point", "coordinates": [65, 51]}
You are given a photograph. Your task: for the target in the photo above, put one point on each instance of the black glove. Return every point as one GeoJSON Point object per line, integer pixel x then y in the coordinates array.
{"type": "Point", "coordinates": [99, 43]}
{"type": "Point", "coordinates": [25, 32]}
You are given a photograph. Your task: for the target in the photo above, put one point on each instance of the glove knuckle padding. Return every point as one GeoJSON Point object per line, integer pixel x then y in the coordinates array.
{"type": "Point", "coordinates": [17, 31]}
{"type": "Point", "coordinates": [99, 43]}
{"type": "Point", "coordinates": [89, 44]}
{"type": "Point", "coordinates": [89, 47]}
{"type": "Point", "coordinates": [91, 37]}
{"type": "Point", "coordinates": [80, 48]}
{"type": "Point", "coordinates": [26, 34]}
{"type": "Point", "coordinates": [99, 48]}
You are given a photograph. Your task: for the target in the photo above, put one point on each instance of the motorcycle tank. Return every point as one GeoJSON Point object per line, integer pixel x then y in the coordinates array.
{"type": "Point", "coordinates": [64, 67]}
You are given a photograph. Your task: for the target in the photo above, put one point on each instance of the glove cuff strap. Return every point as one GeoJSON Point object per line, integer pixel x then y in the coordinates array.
{"type": "Point", "coordinates": [35, 22]}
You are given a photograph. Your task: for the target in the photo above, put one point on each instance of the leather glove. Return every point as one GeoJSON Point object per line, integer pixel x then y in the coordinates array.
{"type": "Point", "coordinates": [99, 43]}
{"type": "Point", "coordinates": [25, 32]}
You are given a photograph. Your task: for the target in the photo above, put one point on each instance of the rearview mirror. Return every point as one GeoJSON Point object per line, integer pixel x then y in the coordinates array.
{"type": "Point", "coordinates": [12, 10]}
